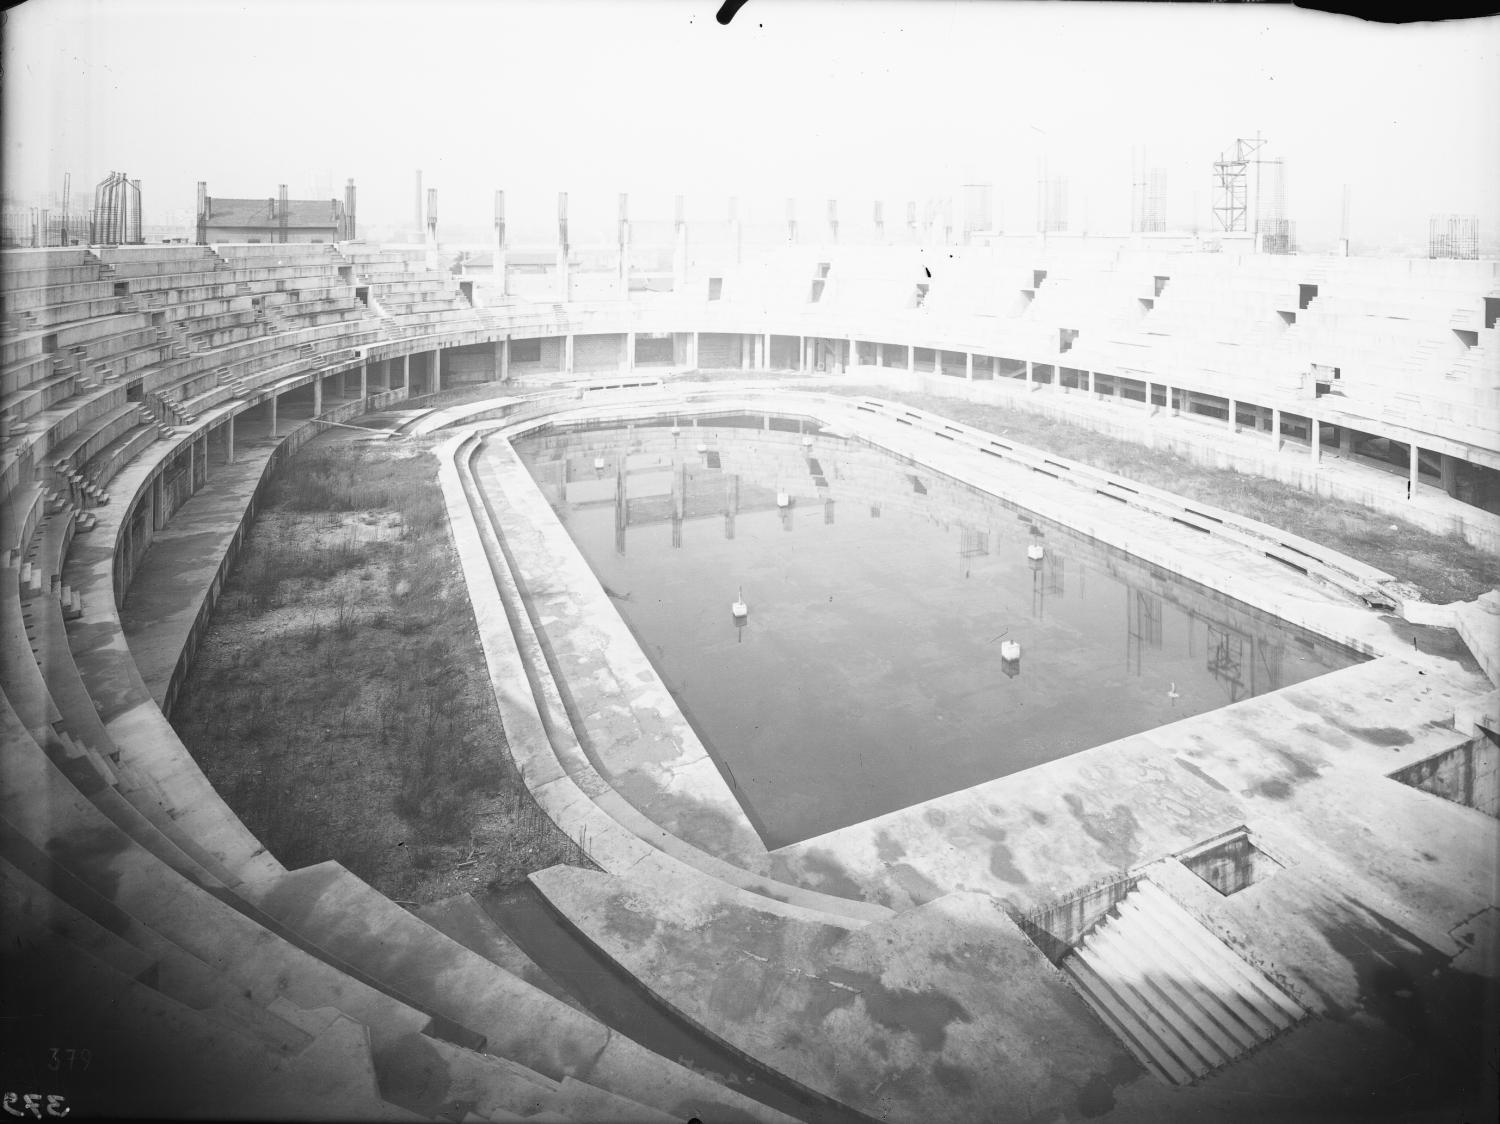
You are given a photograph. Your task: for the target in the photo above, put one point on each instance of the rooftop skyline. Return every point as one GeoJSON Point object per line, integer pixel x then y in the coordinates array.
{"type": "Point", "coordinates": [813, 98]}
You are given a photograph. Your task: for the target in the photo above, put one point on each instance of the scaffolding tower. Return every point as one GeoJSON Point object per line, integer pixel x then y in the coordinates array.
{"type": "Point", "coordinates": [1231, 184]}
{"type": "Point", "coordinates": [117, 211]}
{"type": "Point", "coordinates": [1148, 211]}
{"type": "Point", "coordinates": [1453, 236]}
{"type": "Point", "coordinates": [1274, 233]}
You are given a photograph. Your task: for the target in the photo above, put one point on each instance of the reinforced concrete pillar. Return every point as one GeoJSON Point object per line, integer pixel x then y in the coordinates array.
{"type": "Point", "coordinates": [1231, 415]}
{"type": "Point", "coordinates": [317, 395]}
{"type": "Point", "coordinates": [766, 354]}
{"type": "Point", "coordinates": [272, 403]}
{"type": "Point", "coordinates": [937, 361]}
{"type": "Point", "coordinates": [630, 351]}
{"type": "Point", "coordinates": [364, 381]}
{"type": "Point", "coordinates": [1091, 383]}
{"type": "Point", "coordinates": [1414, 472]}
{"type": "Point", "coordinates": [911, 359]}
{"type": "Point", "coordinates": [406, 372]}
{"type": "Point", "coordinates": [880, 355]}
{"type": "Point", "coordinates": [693, 355]}
{"type": "Point", "coordinates": [192, 473]}
{"type": "Point", "coordinates": [1346, 442]}
{"type": "Point", "coordinates": [1448, 466]}
{"type": "Point", "coordinates": [1317, 443]}
{"type": "Point", "coordinates": [1275, 429]}
{"type": "Point", "coordinates": [229, 440]}
{"type": "Point", "coordinates": [995, 367]}
{"type": "Point", "coordinates": [1030, 375]}
{"type": "Point", "coordinates": [969, 365]}
{"type": "Point", "coordinates": [159, 502]}
{"type": "Point", "coordinates": [504, 346]}
{"type": "Point", "coordinates": [568, 354]}
{"type": "Point", "coordinates": [437, 370]}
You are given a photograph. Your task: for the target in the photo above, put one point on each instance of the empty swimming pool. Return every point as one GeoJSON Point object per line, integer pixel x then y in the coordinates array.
{"type": "Point", "coordinates": [870, 672]}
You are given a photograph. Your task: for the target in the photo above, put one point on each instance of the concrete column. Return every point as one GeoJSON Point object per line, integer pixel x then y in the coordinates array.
{"type": "Point", "coordinates": [1312, 431]}
{"type": "Point", "coordinates": [317, 395]}
{"type": "Point", "coordinates": [880, 355]}
{"type": "Point", "coordinates": [995, 368]}
{"type": "Point", "coordinates": [1030, 376]}
{"type": "Point", "coordinates": [853, 354]}
{"type": "Point", "coordinates": [505, 359]}
{"type": "Point", "coordinates": [1414, 475]}
{"type": "Point", "coordinates": [693, 355]}
{"type": "Point", "coordinates": [911, 359]}
{"type": "Point", "coordinates": [1231, 415]}
{"type": "Point", "coordinates": [272, 401]}
{"type": "Point", "coordinates": [1346, 442]}
{"type": "Point", "coordinates": [1448, 466]}
{"type": "Point", "coordinates": [1091, 383]}
{"type": "Point", "coordinates": [437, 369]}
{"type": "Point", "coordinates": [766, 354]}
{"type": "Point", "coordinates": [630, 351]}
{"type": "Point", "coordinates": [1275, 429]}
{"type": "Point", "coordinates": [969, 365]}
{"type": "Point", "coordinates": [229, 440]}
{"type": "Point", "coordinates": [159, 500]}
{"type": "Point", "coordinates": [406, 371]}
{"type": "Point", "coordinates": [364, 381]}
{"type": "Point", "coordinates": [192, 473]}
{"type": "Point", "coordinates": [568, 354]}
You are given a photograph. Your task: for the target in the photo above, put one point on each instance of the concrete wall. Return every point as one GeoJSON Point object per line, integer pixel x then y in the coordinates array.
{"type": "Point", "coordinates": [598, 353]}
{"type": "Point", "coordinates": [463, 366]}
{"type": "Point", "coordinates": [551, 361]}
{"type": "Point", "coordinates": [272, 234]}
{"type": "Point", "coordinates": [1467, 775]}
{"type": "Point", "coordinates": [718, 350]}
{"type": "Point", "coordinates": [1057, 927]}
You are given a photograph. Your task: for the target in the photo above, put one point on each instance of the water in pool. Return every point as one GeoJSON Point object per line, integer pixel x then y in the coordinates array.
{"type": "Point", "coordinates": [870, 672]}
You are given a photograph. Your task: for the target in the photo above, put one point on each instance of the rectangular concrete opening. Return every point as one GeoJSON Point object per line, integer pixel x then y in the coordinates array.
{"type": "Point", "coordinates": [1465, 774]}
{"type": "Point", "coordinates": [1229, 862]}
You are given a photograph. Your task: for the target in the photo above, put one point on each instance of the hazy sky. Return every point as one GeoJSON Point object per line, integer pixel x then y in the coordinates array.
{"type": "Point", "coordinates": [857, 99]}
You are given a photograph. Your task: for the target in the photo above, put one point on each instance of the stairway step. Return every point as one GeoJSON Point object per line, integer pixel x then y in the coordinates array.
{"type": "Point", "coordinates": [582, 1101]}
{"type": "Point", "coordinates": [1138, 1000]}
{"type": "Point", "coordinates": [1138, 966]}
{"type": "Point", "coordinates": [1226, 1006]}
{"type": "Point", "coordinates": [491, 1086]}
{"type": "Point", "coordinates": [1285, 1009]}
{"type": "Point", "coordinates": [1136, 1037]}
{"type": "Point", "coordinates": [462, 919]}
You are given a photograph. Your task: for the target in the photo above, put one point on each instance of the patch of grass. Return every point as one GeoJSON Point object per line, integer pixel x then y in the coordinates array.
{"type": "Point", "coordinates": [340, 699]}
{"type": "Point", "coordinates": [1443, 567]}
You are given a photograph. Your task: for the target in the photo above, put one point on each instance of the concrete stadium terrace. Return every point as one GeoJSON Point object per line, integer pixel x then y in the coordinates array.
{"type": "Point", "coordinates": [1285, 906]}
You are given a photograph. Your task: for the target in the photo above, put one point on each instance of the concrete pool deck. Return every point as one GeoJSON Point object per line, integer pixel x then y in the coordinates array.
{"type": "Point", "coordinates": [1369, 870]}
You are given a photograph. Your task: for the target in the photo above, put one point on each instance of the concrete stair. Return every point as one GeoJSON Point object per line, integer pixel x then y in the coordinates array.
{"type": "Point", "coordinates": [1178, 998]}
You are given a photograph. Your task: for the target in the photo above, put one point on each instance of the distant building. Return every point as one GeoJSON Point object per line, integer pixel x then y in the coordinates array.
{"type": "Point", "coordinates": [275, 218]}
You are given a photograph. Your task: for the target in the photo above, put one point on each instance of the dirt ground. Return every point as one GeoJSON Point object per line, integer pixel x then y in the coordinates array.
{"type": "Point", "coordinates": [340, 700]}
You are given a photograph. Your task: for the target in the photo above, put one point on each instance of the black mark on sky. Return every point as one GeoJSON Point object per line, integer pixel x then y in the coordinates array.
{"type": "Point", "coordinates": [727, 10]}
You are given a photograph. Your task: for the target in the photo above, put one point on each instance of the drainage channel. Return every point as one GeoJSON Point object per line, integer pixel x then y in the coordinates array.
{"type": "Point", "coordinates": [613, 997]}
